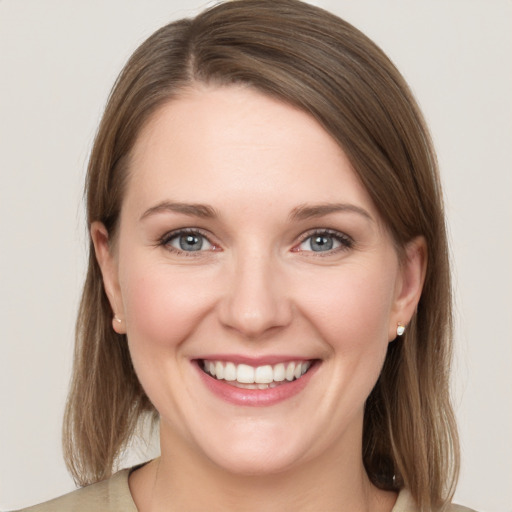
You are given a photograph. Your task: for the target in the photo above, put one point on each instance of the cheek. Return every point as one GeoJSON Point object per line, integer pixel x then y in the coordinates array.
{"type": "Point", "coordinates": [352, 305]}
{"type": "Point", "coordinates": [162, 307]}
{"type": "Point", "coordinates": [352, 317]}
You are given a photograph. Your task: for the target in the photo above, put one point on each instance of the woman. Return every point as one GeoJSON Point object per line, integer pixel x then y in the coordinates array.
{"type": "Point", "coordinates": [268, 277]}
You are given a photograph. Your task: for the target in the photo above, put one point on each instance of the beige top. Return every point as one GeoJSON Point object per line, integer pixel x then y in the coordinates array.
{"type": "Point", "coordinates": [113, 495]}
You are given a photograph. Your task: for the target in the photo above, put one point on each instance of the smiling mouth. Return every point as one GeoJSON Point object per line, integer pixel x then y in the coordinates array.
{"type": "Point", "coordinates": [260, 377]}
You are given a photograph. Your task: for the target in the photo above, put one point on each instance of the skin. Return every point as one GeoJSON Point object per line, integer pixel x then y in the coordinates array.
{"type": "Point", "coordinates": [257, 289]}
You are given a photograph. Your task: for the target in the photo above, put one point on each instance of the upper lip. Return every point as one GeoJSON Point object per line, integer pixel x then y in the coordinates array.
{"type": "Point", "coordinates": [254, 361]}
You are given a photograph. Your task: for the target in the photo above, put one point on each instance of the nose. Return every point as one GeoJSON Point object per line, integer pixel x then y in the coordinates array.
{"type": "Point", "coordinates": [256, 301]}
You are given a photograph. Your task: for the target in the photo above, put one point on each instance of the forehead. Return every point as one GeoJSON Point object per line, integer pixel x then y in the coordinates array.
{"type": "Point", "coordinates": [230, 145]}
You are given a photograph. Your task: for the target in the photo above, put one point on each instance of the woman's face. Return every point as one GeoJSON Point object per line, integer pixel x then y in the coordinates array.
{"type": "Point", "coordinates": [248, 248]}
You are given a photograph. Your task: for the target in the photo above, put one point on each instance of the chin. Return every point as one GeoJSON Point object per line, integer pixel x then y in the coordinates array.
{"type": "Point", "coordinates": [254, 463]}
{"type": "Point", "coordinates": [258, 455]}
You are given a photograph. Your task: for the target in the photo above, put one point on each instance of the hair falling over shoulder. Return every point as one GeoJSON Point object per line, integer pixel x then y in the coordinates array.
{"type": "Point", "coordinates": [319, 63]}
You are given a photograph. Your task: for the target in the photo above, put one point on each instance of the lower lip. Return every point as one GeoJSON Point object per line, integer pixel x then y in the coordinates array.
{"type": "Point", "coordinates": [256, 397]}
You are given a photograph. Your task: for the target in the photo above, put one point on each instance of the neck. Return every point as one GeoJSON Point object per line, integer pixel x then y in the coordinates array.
{"type": "Point", "coordinates": [183, 480]}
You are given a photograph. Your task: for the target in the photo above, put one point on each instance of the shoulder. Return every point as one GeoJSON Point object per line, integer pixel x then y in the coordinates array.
{"type": "Point", "coordinates": [112, 495]}
{"type": "Point", "coordinates": [405, 503]}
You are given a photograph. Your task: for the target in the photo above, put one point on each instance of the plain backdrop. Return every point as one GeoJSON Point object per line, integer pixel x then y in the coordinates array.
{"type": "Point", "coordinates": [58, 60]}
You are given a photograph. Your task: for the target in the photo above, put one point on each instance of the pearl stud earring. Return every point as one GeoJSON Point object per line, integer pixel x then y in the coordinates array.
{"type": "Point", "coordinates": [400, 329]}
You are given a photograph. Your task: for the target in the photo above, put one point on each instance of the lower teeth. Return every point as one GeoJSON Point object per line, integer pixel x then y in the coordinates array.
{"type": "Point", "coordinates": [254, 386]}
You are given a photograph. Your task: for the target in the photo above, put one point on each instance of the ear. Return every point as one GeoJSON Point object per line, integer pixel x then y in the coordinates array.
{"type": "Point", "coordinates": [109, 270]}
{"type": "Point", "coordinates": [409, 285]}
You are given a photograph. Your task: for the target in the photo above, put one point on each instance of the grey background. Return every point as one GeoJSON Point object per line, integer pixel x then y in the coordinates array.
{"type": "Point", "coordinates": [58, 60]}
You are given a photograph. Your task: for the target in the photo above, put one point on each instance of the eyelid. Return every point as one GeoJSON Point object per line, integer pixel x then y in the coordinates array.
{"type": "Point", "coordinates": [168, 236]}
{"type": "Point", "coordinates": [346, 241]}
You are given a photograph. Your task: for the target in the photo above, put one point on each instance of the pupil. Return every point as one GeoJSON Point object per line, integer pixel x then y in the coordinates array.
{"type": "Point", "coordinates": [322, 243]}
{"type": "Point", "coordinates": [190, 243]}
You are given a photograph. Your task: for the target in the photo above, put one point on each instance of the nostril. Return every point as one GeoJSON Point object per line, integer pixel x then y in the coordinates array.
{"type": "Point", "coordinates": [254, 302]}
{"type": "Point", "coordinates": [256, 320]}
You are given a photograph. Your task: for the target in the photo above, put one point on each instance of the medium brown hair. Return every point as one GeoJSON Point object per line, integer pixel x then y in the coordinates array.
{"type": "Point", "coordinates": [319, 63]}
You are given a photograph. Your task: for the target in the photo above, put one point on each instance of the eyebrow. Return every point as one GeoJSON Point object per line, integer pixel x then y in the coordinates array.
{"type": "Point", "coordinates": [301, 212]}
{"type": "Point", "coordinates": [306, 211]}
{"type": "Point", "coordinates": [192, 209]}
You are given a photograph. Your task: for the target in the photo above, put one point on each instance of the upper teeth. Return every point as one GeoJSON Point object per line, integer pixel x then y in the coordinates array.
{"type": "Point", "coordinates": [265, 374]}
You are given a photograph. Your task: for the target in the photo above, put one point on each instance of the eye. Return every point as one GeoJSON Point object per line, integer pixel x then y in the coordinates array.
{"type": "Point", "coordinates": [325, 241]}
{"type": "Point", "coordinates": [187, 241]}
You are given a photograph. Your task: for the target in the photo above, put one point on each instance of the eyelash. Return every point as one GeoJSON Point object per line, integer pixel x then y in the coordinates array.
{"type": "Point", "coordinates": [345, 241]}
{"type": "Point", "coordinates": [166, 239]}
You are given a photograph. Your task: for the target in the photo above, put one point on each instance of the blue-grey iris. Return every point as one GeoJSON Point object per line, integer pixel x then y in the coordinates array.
{"type": "Point", "coordinates": [322, 243]}
{"type": "Point", "coordinates": [191, 242]}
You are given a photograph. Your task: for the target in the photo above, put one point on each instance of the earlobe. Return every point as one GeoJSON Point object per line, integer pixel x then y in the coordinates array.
{"type": "Point", "coordinates": [409, 285]}
{"type": "Point", "coordinates": [108, 266]}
